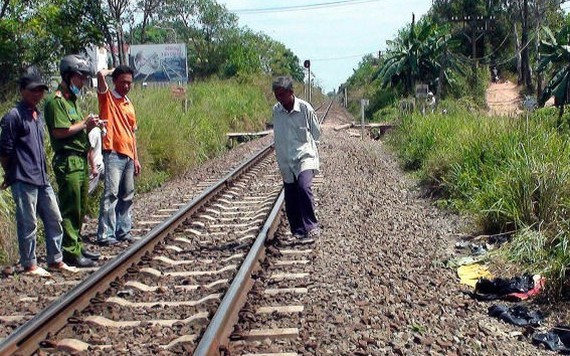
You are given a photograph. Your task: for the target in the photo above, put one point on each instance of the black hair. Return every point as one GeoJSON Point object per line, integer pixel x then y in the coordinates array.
{"type": "Point", "coordinates": [122, 69]}
{"type": "Point", "coordinates": [285, 82]}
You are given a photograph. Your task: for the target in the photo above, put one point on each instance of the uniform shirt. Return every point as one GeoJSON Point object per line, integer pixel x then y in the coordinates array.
{"type": "Point", "coordinates": [62, 111]}
{"type": "Point", "coordinates": [119, 112]}
{"type": "Point", "coordinates": [22, 140]}
{"type": "Point", "coordinates": [296, 133]}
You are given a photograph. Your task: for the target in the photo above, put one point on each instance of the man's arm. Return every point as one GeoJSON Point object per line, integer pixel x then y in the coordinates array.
{"type": "Point", "coordinates": [137, 162]}
{"type": "Point", "coordinates": [314, 126]}
{"type": "Point", "coordinates": [102, 86]}
{"type": "Point", "coordinates": [7, 140]}
{"type": "Point", "coordinates": [50, 113]}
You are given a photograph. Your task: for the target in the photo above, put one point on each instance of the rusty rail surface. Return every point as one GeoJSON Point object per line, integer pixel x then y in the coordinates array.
{"type": "Point", "coordinates": [27, 338]}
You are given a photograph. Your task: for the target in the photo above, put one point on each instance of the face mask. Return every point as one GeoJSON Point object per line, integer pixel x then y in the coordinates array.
{"type": "Point", "coordinates": [75, 90]}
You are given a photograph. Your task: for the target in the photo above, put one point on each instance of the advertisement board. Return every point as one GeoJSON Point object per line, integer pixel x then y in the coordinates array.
{"type": "Point", "coordinates": [159, 62]}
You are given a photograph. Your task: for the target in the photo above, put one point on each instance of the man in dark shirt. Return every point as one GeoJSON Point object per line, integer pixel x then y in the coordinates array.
{"type": "Point", "coordinates": [23, 159]}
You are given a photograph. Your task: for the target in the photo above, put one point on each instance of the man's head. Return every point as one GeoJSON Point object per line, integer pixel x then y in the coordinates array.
{"type": "Point", "coordinates": [283, 91]}
{"type": "Point", "coordinates": [122, 79]}
{"type": "Point", "coordinates": [32, 88]}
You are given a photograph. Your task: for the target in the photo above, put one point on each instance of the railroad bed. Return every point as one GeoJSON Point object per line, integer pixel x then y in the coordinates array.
{"type": "Point", "coordinates": [160, 293]}
{"type": "Point", "coordinates": [373, 284]}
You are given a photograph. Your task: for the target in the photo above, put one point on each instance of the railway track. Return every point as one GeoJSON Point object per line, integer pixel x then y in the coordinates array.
{"type": "Point", "coordinates": [179, 288]}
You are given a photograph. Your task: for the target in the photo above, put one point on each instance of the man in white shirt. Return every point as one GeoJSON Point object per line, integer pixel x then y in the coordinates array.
{"type": "Point", "coordinates": [297, 130]}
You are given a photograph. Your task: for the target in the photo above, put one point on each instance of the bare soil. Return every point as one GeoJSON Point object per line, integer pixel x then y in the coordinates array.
{"type": "Point", "coordinates": [503, 98]}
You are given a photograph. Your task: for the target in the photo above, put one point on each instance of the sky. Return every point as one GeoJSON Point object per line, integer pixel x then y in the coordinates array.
{"type": "Point", "coordinates": [333, 34]}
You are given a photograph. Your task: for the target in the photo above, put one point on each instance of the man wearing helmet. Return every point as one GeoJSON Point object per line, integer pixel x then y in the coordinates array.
{"type": "Point", "coordinates": [68, 134]}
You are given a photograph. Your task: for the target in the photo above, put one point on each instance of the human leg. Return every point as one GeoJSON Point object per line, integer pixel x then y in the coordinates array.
{"type": "Point", "coordinates": [306, 201]}
{"type": "Point", "coordinates": [25, 199]}
{"type": "Point", "coordinates": [107, 216]}
{"type": "Point", "coordinates": [125, 201]}
{"type": "Point", "coordinates": [292, 208]}
{"type": "Point", "coordinates": [51, 217]}
{"type": "Point", "coordinates": [70, 174]}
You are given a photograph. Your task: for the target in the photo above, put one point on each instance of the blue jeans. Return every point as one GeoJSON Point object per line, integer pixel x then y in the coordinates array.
{"type": "Point", "coordinates": [116, 203]}
{"type": "Point", "coordinates": [32, 200]}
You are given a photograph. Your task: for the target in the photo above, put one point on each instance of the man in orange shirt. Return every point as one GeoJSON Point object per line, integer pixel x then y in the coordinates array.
{"type": "Point", "coordinates": [119, 156]}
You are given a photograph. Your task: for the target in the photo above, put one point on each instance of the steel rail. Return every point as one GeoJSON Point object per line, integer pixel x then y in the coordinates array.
{"type": "Point", "coordinates": [219, 329]}
{"type": "Point", "coordinates": [27, 338]}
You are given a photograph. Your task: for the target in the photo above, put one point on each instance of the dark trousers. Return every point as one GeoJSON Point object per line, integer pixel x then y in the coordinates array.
{"type": "Point", "coordinates": [299, 204]}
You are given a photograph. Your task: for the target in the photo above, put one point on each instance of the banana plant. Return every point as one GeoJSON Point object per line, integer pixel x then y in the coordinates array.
{"type": "Point", "coordinates": [555, 57]}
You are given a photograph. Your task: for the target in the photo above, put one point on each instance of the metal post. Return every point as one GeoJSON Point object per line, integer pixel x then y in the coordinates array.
{"type": "Point", "coordinates": [310, 86]}
{"type": "Point", "coordinates": [362, 121]}
{"type": "Point", "coordinates": [363, 103]}
{"type": "Point", "coordinates": [307, 64]}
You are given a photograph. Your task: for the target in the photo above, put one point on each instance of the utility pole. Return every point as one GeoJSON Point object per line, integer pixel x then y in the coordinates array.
{"type": "Point", "coordinates": [475, 27]}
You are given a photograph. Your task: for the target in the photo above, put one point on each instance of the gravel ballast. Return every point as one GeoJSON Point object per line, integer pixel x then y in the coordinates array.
{"type": "Point", "coordinates": [380, 285]}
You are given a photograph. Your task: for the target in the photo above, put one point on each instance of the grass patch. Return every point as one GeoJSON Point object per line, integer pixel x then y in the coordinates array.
{"type": "Point", "coordinates": [509, 173]}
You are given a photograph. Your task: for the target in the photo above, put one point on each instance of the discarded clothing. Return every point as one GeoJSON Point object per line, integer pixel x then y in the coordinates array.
{"type": "Point", "coordinates": [518, 315]}
{"type": "Point", "coordinates": [498, 288]}
{"type": "Point", "coordinates": [557, 339]}
{"type": "Point", "coordinates": [470, 274]}
{"type": "Point", "coordinates": [538, 286]}
{"type": "Point", "coordinates": [464, 260]}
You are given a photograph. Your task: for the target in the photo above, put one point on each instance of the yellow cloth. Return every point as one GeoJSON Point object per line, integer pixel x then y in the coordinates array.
{"type": "Point", "coordinates": [470, 274]}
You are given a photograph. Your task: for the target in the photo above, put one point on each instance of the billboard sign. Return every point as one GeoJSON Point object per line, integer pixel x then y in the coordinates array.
{"type": "Point", "coordinates": [159, 62]}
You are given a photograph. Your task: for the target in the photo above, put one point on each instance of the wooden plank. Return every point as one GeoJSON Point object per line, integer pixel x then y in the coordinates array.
{"type": "Point", "coordinates": [241, 134]}
{"type": "Point", "coordinates": [260, 334]}
{"type": "Point", "coordinates": [286, 309]}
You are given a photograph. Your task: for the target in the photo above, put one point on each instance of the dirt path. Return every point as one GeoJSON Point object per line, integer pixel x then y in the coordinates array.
{"type": "Point", "coordinates": [503, 98]}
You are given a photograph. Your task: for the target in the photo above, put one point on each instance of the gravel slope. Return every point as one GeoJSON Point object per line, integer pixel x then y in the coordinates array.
{"type": "Point", "coordinates": [382, 285]}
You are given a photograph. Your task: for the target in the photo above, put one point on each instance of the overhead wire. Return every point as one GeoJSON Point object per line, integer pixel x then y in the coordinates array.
{"type": "Point", "coordinates": [301, 7]}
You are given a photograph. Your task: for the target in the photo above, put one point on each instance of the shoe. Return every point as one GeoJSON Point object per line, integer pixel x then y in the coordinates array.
{"type": "Point", "coordinates": [62, 267]}
{"type": "Point", "coordinates": [313, 234]}
{"type": "Point", "coordinates": [107, 242]}
{"type": "Point", "coordinates": [79, 261]}
{"type": "Point", "coordinates": [36, 271]}
{"type": "Point", "coordinates": [90, 254]}
{"type": "Point", "coordinates": [125, 238]}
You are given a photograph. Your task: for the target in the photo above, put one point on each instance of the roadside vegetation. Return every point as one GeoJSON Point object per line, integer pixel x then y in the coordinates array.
{"type": "Point", "coordinates": [509, 174]}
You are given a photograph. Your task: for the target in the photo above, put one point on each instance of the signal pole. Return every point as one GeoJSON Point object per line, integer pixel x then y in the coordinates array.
{"type": "Point", "coordinates": [307, 64]}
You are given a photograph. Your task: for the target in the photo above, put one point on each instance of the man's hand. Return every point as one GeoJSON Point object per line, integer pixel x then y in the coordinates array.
{"type": "Point", "coordinates": [137, 167]}
{"type": "Point", "coordinates": [91, 121]}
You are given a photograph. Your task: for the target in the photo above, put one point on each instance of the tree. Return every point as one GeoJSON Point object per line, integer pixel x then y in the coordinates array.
{"type": "Point", "coordinates": [149, 9]}
{"type": "Point", "coordinates": [205, 26]}
{"type": "Point", "coordinates": [555, 56]}
{"type": "Point", "coordinates": [420, 53]}
{"type": "Point", "coordinates": [119, 14]}
{"type": "Point", "coordinates": [41, 34]}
